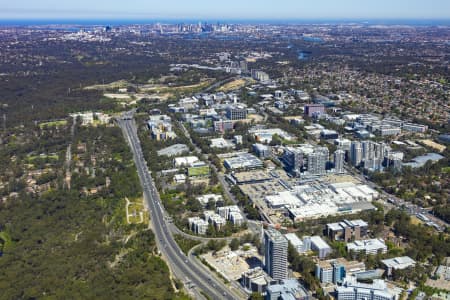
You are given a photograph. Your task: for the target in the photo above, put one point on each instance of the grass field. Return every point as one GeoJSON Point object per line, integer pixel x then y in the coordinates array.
{"type": "Point", "coordinates": [415, 220]}
{"type": "Point", "coordinates": [53, 123]}
{"type": "Point", "coordinates": [5, 240]}
{"type": "Point", "coordinates": [199, 171]}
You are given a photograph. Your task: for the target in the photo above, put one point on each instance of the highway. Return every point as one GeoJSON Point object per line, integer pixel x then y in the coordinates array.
{"type": "Point", "coordinates": [182, 266]}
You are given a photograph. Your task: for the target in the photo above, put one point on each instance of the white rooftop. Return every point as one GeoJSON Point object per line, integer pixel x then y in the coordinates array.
{"type": "Point", "coordinates": [294, 239]}
{"type": "Point", "coordinates": [401, 262]}
{"type": "Point", "coordinates": [367, 245]}
{"type": "Point", "coordinates": [319, 242]}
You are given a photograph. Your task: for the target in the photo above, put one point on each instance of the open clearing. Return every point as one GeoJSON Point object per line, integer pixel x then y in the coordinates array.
{"type": "Point", "coordinates": [135, 211]}
{"type": "Point", "coordinates": [55, 123]}
{"type": "Point", "coordinates": [233, 85]}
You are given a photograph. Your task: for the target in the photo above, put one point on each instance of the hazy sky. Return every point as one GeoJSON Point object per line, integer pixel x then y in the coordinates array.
{"type": "Point", "coordinates": [225, 9]}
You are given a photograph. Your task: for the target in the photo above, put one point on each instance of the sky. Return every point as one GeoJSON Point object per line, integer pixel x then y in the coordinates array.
{"type": "Point", "coordinates": [225, 9]}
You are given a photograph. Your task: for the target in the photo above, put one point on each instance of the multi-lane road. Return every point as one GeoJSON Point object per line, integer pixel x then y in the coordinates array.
{"type": "Point", "coordinates": [181, 265]}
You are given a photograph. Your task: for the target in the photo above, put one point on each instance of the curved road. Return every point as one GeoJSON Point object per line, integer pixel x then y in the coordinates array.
{"type": "Point", "coordinates": [182, 266]}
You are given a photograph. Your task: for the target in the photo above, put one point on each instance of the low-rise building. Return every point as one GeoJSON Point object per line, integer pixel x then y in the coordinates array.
{"type": "Point", "coordinates": [371, 246]}
{"type": "Point", "coordinates": [205, 199]}
{"type": "Point", "coordinates": [223, 125]}
{"type": "Point", "coordinates": [347, 230]}
{"type": "Point", "coordinates": [295, 241]}
{"type": "Point", "coordinates": [327, 134]}
{"type": "Point", "coordinates": [415, 127]}
{"type": "Point", "coordinates": [236, 218]}
{"type": "Point", "coordinates": [351, 289]}
{"type": "Point", "coordinates": [262, 151]}
{"type": "Point", "coordinates": [225, 211]}
{"type": "Point", "coordinates": [185, 161]}
{"type": "Point", "coordinates": [221, 143]}
{"type": "Point", "coordinates": [197, 225]}
{"type": "Point", "coordinates": [398, 263]}
{"type": "Point", "coordinates": [212, 218]}
{"type": "Point", "coordinates": [173, 150]}
{"type": "Point", "coordinates": [255, 280]}
{"type": "Point", "coordinates": [320, 246]}
{"type": "Point", "coordinates": [314, 109]}
{"type": "Point", "coordinates": [265, 135]}
{"type": "Point", "coordinates": [243, 161]}
{"type": "Point", "coordinates": [287, 289]}
{"type": "Point", "coordinates": [260, 75]}
{"type": "Point", "coordinates": [236, 112]}
{"type": "Point", "coordinates": [161, 127]}
{"type": "Point", "coordinates": [179, 179]}
{"type": "Point", "coordinates": [335, 270]}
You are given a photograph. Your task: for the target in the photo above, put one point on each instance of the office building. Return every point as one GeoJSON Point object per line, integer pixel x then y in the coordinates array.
{"type": "Point", "coordinates": [293, 159]}
{"type": "Point", "coordinates": [286, 290]}
{"type": "Point", "coordinates": [223, 125]}
{"type": "Point", "coordinates": [161, 127]}
{"type": "Point", "coordinates": [347, 230]}
{"type": "Point", "coordinates": [295, 241]}
{"type": "Point", "coordinates": [306, 159]}
{"type": "Point", "coordinates": [237, 139]}
{"type": "Point", "coordinates": [173, 150]}
{"type": "Point", "coordinates": [351, 289]}
{"type": "Point", "coordinates": [397, 263]}
{"type": "Point", "coordinates": [320, 246]}
{"type": "Point", "coordinates": [314, 109]}
{"type": "Point", "coordinates": [275, 254]}
{"type": "Point", "coordinates": [335, 270]}
{"type": "Point", "coordinates": [236, 112]}
{"type": "Point", "coordinates": [330, 272]}
{"type": "Point", "coordinates": [205, 199]}
{"type": "Point", "coordinates": [244, 66]}
{"type": "Point", "coordinates": [197, 225]}
{"type": "Point", "coordinates": [338, 159]}
{"type": "Point", "coordinates": [415, 127]}
{"type": "Point", "coordinates": [317, 161]}
{"type": "Point", "coordinates": [329, 134]}
{"type": "Point", "coordinates": [343, 144]}
{"type": "Point", "coordinates": [244, 161]}
{"type": "Point", "coordinates": [356, 153]}
{"type": "Point", "coordinates": [231, 213]}
{"type": "Point", "coordinates": [372, 246]}
{"type": "Point", "coordinates": [186, 161]}
{"type": "Point", "coordinates": [279, 94]}
{"type": "Point", "coordinates": [262, 151]}
{"type": "Point", "coordinates": [255, 280]}
{"type": "Point", "coordinates": [386, 130]}
{"type": "Point", "coordinates": [215, 219]}
{"type": "Point", "coordinates": [260, 75]}
{"type": "Point", "coordinates": [265, 135]}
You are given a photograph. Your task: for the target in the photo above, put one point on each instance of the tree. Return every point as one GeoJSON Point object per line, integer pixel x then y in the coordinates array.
{"type": "Point", "coordinates": [256, 296]}
{"type": "Point", "coordinates": [234, 244]}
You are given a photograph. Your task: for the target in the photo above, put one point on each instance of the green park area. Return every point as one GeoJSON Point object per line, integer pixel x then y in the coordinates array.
{"type": "Point", "coordinates": [198, 171]}
{"type": "Point", "coordinates": [55, 123]}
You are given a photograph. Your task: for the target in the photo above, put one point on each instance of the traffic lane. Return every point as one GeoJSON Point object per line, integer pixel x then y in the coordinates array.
{"type": "Point", "coordinates": [163, 229]}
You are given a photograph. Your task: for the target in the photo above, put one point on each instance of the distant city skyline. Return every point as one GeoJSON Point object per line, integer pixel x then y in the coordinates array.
{"type": "Point", "coordinates": [222, 10]}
